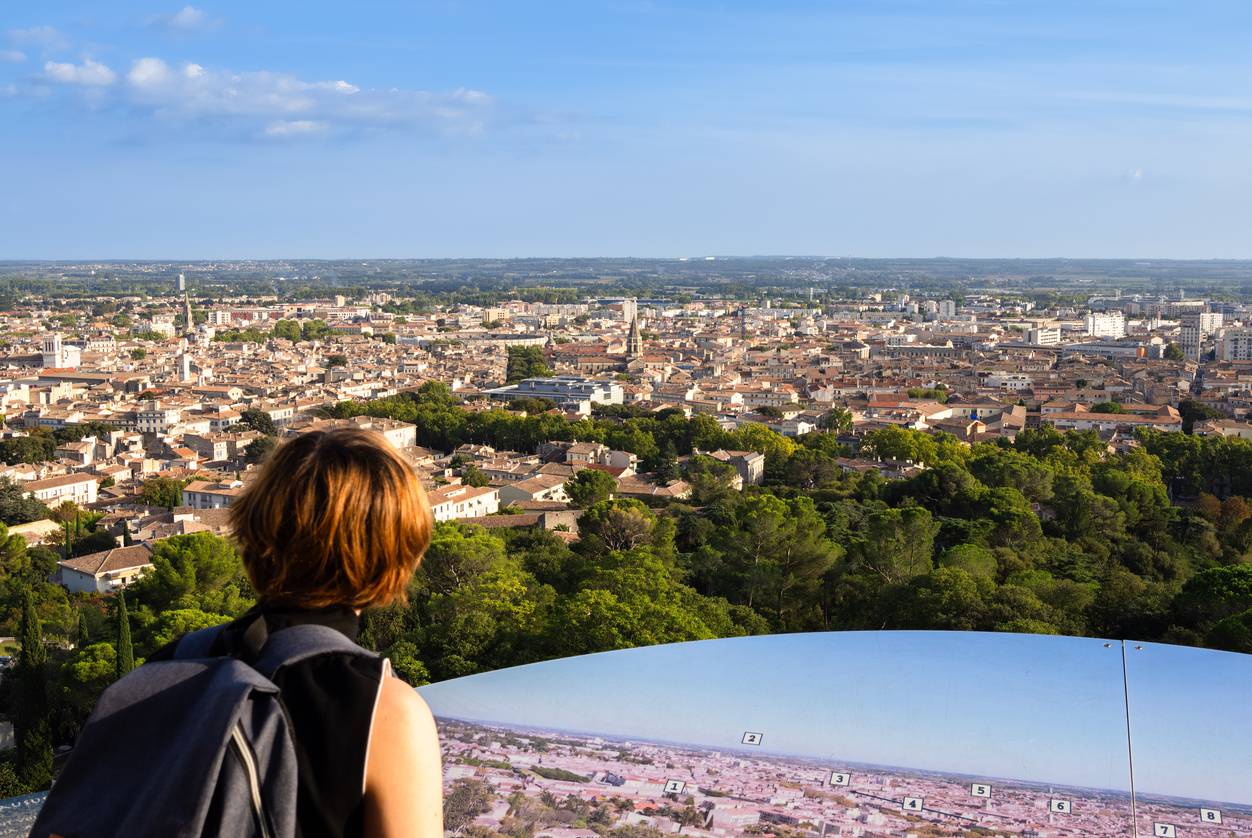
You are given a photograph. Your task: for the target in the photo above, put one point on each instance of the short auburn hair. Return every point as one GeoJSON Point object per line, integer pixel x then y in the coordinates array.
{"type": "Point", "coordinates": [334, 517]}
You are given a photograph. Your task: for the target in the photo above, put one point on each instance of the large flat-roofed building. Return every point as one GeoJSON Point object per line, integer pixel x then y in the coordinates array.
{"type": "Point", "coordinates": [1044, 336]}
{"type": "Point", "coordinates": [562, 389]}
{"type": "Point", "coordinates": [1106, 349]}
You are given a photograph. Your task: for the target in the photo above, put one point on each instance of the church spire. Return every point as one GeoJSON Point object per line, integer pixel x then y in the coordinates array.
{"type": "Point", "coordinates": [189, 322]}
{"type": "Point", "coordinates": [634, 340]}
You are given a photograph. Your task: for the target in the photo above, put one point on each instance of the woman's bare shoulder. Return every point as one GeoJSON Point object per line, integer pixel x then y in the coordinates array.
{"type": "Point", "coordinates": [403, 773]}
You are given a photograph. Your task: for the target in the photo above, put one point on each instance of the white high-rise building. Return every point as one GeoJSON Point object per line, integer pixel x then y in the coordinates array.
{"type": "Point", "coordinates": [1236, 344]}
{"type": "Point", "coordinates": [947, 308]}
{"type": "Point", "coordinates": [182, 283]}
{"type": "Point", "coordinates": [630, 310]}
{"type": "Point", "coordinates": [1106, 324]}
{"type": "Point", "coordinates": [1195, 329]}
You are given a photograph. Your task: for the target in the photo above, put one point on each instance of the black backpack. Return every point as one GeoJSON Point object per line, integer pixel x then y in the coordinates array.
{"type": "Point", "coordinates": [198, 745]}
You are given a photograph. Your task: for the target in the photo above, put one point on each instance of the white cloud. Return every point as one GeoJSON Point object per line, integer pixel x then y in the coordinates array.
{"type": "Point", "coordinates": [14, 55]}
{"type": "Point", "coordinates": [260, 103]}
{"type": "Point", "coordinates": [149, 72]}
{"type": "Point", "coordinates": [89, 73]}
{"type": "Point", "coordinates": [295, 128]}
{"type": "Point", "coordinates": [1134, 175]}
{"type": "Point", "coordinates": [48, 37]}
{"type": "Point", "coordinates": [187, 19]}
{"type": "Point", "coordinates": [284, 105]}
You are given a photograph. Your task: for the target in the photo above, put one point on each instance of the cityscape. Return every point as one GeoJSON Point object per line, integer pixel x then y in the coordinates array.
{"type": "Point", "coordinates": [687, 790]}
{"type": "Point", "coordinates": [186, 386]}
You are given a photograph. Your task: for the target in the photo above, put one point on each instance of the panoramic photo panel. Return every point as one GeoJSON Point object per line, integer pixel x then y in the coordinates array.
{"type": "Point", "coordinates": [856, 733]}
{"type": "Point", "coordinates": [1192, 750]}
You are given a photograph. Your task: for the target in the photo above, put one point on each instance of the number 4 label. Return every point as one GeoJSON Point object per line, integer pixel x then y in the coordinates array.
{"type": "Point", "coordinates": [980, 790]}
{"type": "Point", "coordinates": [1164, 830]}
{"type": "Point", "coordinates": [912, 804]}
{"type": "Point", "coordinates": [838, 778]}
{"type": "Point", "coordinates": [1211, 815]}
{"type": "Point", "coordinates": [1062, 807]}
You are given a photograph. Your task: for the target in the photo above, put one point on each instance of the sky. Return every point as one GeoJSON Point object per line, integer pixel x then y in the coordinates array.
{"type": "Point", "coordinates": [1025, 707]}
{"type": "Point", "coordinates": [439, 128]}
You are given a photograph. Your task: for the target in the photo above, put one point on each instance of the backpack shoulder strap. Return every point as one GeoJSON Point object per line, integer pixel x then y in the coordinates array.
{"type": "Point", "coordinates": [297, 643]}
{"type": "Point", "coordinates": [198, 644]}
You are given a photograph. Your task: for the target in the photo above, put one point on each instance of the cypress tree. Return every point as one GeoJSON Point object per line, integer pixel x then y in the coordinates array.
{"type": "Point", "coordinates": [125, 652]}
{"type": "Point", "coordinates": [81, 637]}
{"type": "Point", "coordinates": [34, 740]}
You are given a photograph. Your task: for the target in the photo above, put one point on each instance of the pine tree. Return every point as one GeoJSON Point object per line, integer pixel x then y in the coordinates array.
{"type": "Point", "coordinates": [34, 742]}
{"type": "Point", "coordinates": [125, 652]}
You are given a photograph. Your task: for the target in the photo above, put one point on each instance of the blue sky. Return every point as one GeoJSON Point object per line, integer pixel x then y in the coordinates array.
{"type": "Point", "coordinates": [1048, 709]}
{"type": "Point", "coordinates": [629, 127]}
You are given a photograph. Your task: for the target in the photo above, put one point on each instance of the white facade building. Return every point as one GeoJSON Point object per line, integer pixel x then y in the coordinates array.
{"type": "Point", "coordinates": [1196, 328]}
{"type": "Point", "coordinates": [54, 491]}
{"type": "Point", "coordinates": [450, 503]}
{"type": "Point", "coordinates": [1044, 336]}
{"type": "Point", "coordinates": [1236, 345]}
{"type": "Point", "coordinates": [1106, 324]}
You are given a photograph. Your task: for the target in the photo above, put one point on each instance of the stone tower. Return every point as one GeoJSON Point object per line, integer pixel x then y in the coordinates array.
{"type": "Point", "coordinates": [634, 340]}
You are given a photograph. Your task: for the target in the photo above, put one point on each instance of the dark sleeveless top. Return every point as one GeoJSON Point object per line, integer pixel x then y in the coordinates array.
{"type": "Point", "coordinates": [330, 700]}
